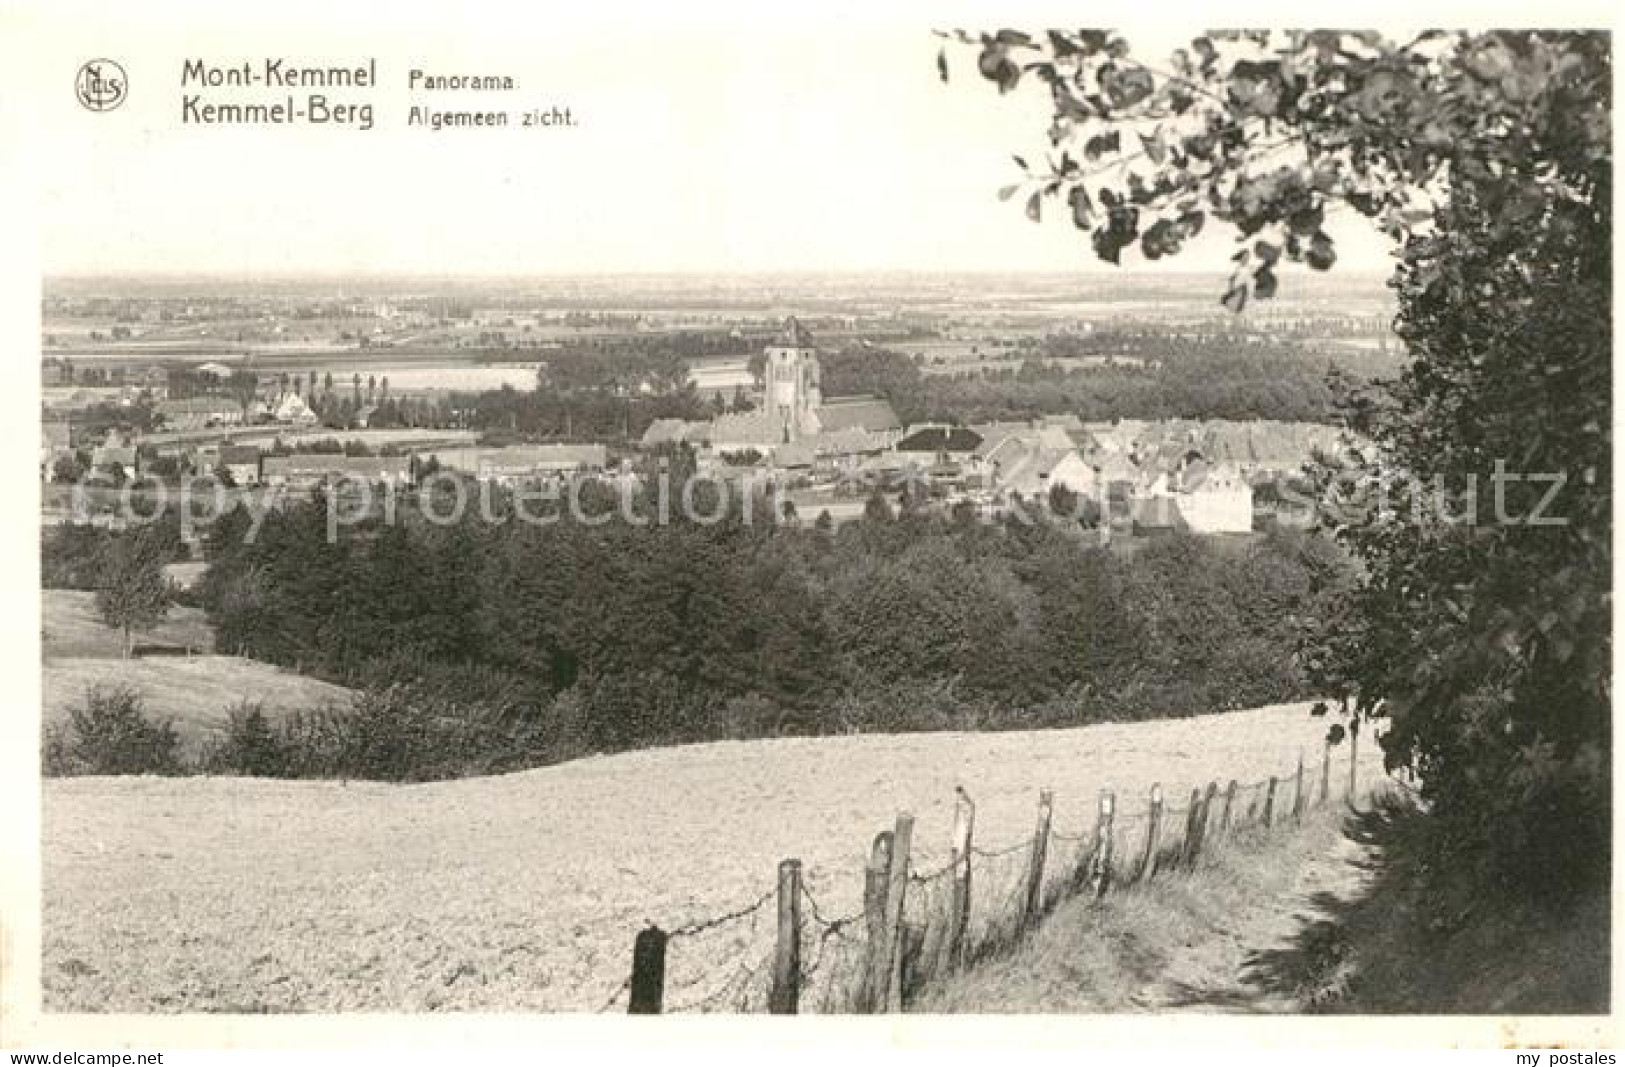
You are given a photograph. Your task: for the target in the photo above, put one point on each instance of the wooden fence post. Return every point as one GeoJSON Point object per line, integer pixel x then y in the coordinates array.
{"type": "Point", "coordinates": [1269, 805]}
{"type": "Point", "coordinates": [891, 955]}
{"type": "Point", "coordinates": [1325, 773]}
{"type": "Point", "coordinates": [648, 972]}
{"type": "Point", "coordinates": [874, 912]}
{"type": "Point", "coordinates": [1192, 813]}
{"type": "Point", "coordinates": [785, 996]}
{"type": "Point", "coordinates": [953, 945]}
{"type": "Point", "coordinates": [1297, 792]}
{"type": "Point", "coordinates": [1354, 756]}
{"type": "Point", "coordinates": [1153, 832]}
{"type": "Point", "coordinates": [1100, 859]}
{"type": "Point", "coordinates": [1229, 802]}
{"type": "Point", "coordinates": [1199, 837]}
{"type": "Point", "coordinates": [1035, 859]}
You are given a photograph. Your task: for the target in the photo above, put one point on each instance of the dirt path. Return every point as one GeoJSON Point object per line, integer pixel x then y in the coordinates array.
{"type": "Point", "coordinates": [1280, 953]}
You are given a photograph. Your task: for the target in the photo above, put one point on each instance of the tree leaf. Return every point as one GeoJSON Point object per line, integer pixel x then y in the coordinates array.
{"type": "Point", "coordinates": [1125, 88]}
{"type": "Point", "coordinates": [1100, 144]}
{"type": "Point", "coordinates": [1321, 254]}
{"type": "Point", "coordinates": [1082, 209]}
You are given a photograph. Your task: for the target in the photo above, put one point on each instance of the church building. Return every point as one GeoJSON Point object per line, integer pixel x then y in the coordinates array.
{"type": "Point", "coordinates": [795, 412]}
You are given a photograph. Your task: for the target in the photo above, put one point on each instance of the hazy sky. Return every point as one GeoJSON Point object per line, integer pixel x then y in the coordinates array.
{"type": "Point", "coordinates": [708, 141]}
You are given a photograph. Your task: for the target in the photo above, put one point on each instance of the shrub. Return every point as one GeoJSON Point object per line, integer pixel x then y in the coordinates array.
{"type": "Point", "coordinates": [250, 746]}
{"type": "Point", "coordinates": [110, 734]}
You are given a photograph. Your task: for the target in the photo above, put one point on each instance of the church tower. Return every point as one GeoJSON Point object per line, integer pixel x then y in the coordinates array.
{"type": "Point", "coordinates": [793, 394]}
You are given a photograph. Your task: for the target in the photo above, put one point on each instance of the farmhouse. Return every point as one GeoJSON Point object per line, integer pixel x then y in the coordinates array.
{"type": "Point", "coordinates": [953, 443]}
{"type": "Point", "coordinates": [1215, 499]}
{"type": "Point", "coordinates": [291, 408]}
{"type": "Point", "coordinates": [153, 380]}
{"type": "Point", "coordinates": [240, 462]}
{"type": "Point", "coordinates": [1033, 472]}
{"type": "Point", "coordinates": [200, 413]}
{"type": "Point", "coordinates": [309, 471]}
{"type": "Point", "coordinates": [523, 461]}
{"type": "Point", "coordinates": [666, 432]}
{"type": "Point", "coordinates": [116, 453]}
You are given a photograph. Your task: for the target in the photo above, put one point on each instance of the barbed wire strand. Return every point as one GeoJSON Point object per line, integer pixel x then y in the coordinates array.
{"type": "Point", "coordinates": [700, 926]}
{"type": "Point", "coordinates": [613, 997]}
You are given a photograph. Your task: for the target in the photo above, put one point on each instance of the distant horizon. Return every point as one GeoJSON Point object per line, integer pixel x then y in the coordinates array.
{"type": "Point", "coordinates": [823, 272]}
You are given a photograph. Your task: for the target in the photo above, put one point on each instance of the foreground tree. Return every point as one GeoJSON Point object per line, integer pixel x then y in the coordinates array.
{"type": "Point", "coordinates": [132, 593]}
{"type": "Point", "coordinates": [1481, 634]}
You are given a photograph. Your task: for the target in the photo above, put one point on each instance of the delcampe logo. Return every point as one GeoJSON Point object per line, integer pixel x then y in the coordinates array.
{"type": "Point", "coordinates": [101, 85]}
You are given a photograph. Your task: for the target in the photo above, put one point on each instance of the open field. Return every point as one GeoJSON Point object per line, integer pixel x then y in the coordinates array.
{"type": "Point", "coordinates": [72, 629]}
{"type": "Point", "coordinates": [523, 892]}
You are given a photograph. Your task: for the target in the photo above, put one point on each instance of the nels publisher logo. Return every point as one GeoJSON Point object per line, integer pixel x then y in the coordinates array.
{"type": "Point", "coordinates": [101, 85]}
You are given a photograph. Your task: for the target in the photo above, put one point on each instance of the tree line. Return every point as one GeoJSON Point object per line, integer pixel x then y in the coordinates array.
{"type": "Point", "coordinates": [512, 644]}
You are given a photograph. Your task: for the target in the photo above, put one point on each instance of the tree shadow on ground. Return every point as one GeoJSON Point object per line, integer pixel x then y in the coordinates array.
{"type": "Point", "coordinates": [1402, 946]}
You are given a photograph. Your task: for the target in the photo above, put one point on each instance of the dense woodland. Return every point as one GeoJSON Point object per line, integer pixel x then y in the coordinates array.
{"type": "Point", "coordinates": [512, 644]}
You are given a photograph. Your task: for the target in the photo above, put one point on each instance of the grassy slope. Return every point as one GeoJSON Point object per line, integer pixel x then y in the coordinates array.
{"type": "Point", "coordinates": [70, 628]}
{"type": "Point", "coordinates": [1329, 919]}
{"type": "Point", "coordinates": [523, 891]}
{"type": "Point", "coordinates": [1182, 941]}
{"type": "Point", "coordinates": [195, 692]}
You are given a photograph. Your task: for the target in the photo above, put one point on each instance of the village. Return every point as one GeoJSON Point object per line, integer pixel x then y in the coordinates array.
{"type": "Point", "coordinates": [823, 455]}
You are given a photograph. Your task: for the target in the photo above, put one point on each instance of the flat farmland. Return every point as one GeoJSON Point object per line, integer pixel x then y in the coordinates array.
{"type": "Point", "coordinates": [523, 892]}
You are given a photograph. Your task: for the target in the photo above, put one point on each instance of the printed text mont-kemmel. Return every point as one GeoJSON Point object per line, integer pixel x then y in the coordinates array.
{"type": "Point", "coordinates": [277, 92]}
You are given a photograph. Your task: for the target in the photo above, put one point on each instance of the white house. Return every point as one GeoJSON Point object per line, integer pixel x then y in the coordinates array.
{"type": "Point", "coordinates": [291, 408]}
{"type": "Point", "coordinates": [1215, 499]}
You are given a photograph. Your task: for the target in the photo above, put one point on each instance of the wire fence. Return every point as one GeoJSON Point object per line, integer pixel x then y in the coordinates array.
{"type": "Point", "coordinates": [785, 951]}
